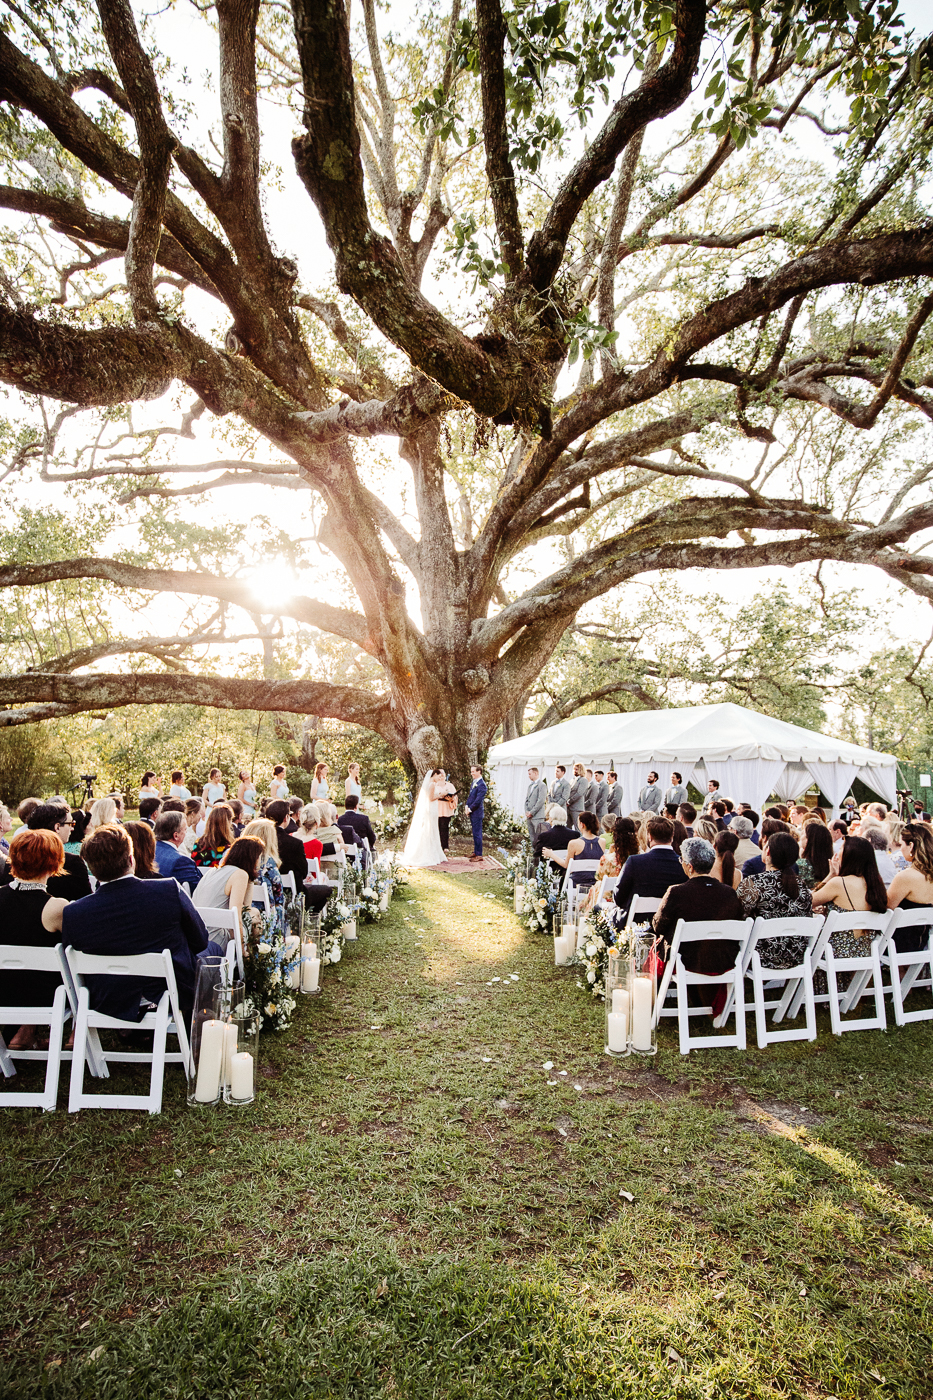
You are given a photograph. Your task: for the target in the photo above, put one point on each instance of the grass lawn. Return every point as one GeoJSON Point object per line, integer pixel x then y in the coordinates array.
{"type": "Point", "coordinates": [409, 1209]}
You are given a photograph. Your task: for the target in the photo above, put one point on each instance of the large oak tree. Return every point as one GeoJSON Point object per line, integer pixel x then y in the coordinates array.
{"type": "Point", "coordinates": [609, 328]}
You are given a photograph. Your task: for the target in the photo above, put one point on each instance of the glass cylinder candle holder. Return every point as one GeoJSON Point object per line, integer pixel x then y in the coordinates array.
{"type": "Point", "coordinates": [618, 1002]}
{"type": "Point", "coordinates": [310, 976]}
{"type": "Point", "coordinates": [384, 900]}
{"type": "Point", "coordinates": [291, 967]}
{"type": "Point", "coordinates": [240, 1089]}
{"type": "Point", "coordinates": [207, 1039]}
{"type": "Point", "coordinates": [644, 995]}
{"type": "Point", "coordinates": [348, 931]}
{"type": "Point", "coordinates": [519, 893]}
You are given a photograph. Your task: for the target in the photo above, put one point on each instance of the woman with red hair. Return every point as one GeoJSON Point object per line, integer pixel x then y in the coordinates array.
{"type": "Point", "coordinates": [31, 918]}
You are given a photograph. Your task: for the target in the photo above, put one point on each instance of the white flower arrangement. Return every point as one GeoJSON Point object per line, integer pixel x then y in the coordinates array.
{"type": "Point", "coordinates": [267, 965]}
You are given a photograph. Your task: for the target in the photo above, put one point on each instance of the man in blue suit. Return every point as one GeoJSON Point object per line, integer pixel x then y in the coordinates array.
{"type": "Point", "coordinates": [129, 916]}
{"type": "Point", "coordinates": [652, 872]}
{"type": "Point", "coordinates": [474, 802]}
{"type": "Point", "coordinates": [171, 861]}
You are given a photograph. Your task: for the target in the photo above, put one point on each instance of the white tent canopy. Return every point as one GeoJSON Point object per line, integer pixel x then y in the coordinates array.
{"type": "Point", "coordinates": [750, 754]}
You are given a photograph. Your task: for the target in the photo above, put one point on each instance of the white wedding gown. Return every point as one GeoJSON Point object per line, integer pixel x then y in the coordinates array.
{"type": "Point", "coordinates": [423, 843]}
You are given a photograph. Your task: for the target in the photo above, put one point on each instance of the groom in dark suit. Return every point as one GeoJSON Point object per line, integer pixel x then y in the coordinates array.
{"type": "Point", "coordinates": [474, 802]}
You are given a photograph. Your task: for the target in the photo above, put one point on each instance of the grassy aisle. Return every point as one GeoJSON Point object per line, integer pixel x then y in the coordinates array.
{"type": "Point", "coordinates": [411, 1209]}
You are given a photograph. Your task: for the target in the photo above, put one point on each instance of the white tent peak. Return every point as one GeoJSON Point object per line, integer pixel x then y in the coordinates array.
{"type": "Point", "coordinates": [751, 754]}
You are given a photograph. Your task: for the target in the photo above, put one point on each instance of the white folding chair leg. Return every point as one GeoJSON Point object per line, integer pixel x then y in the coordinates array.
{"type": "Point", "coordinates": [77, 1099]}
{"type": "Point", "coordinates": [912, 964]}
{"type": "Point", "coordinates": [6, 1063]}
{"type": "Point", "coordinates": [48, 1097]}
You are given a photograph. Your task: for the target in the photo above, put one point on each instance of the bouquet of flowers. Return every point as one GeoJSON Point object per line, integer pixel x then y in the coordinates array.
{"type": "Point", "coordinates": [330, 940]}
{"type": "Point", "coordinates": [267, 965]}
{"type": "Point", "coordinates": [542, 895]}
{"type": "Point", "coordinates": [593, 956]}
{"type": "Point", "coordinates": [516, 863]}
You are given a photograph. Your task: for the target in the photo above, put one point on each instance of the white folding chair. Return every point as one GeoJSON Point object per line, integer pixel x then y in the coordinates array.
{"type": "Point", "coordinates": [866, 970]}
{"type": "Point", "coordinates": [801, 973]}
{"type": "Point", "coordinates": [314, 869]}
{"type": "Point", "coordinates": [260, 896]}
{"type": "Point", "coordinates": [737, 930]}
{"type": "Point", "coordinates": [606, 890]}
{"type": "Point", "coordinates": [642, 904]}
{"type": "Point", "coordinates": [27, 959]}
{"type": "Point", "coordinates": [288, 881]}
{"type": "Point", "coordinates": [905, 968]}
{"type": "Point", "coordinates": [576, 894]}
{"type": "Point", "coordinates": [164, 1021]}
{"type": "Point", "coordinates": [228, 919]}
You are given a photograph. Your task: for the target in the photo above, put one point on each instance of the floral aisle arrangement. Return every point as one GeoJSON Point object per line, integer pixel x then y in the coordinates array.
{"type": "Point", "coordinates": [379, 883]}
{"type": "Point", "coordinates": [593, 955]}
{"type": "Point", "coordinates": [268, 964]}
{"type": "Point", "coordinates": [541, 898]}
{"type": "Point", "coordinates": [515, 863]}
{"type": "Point", "coordinates": [334, 915]}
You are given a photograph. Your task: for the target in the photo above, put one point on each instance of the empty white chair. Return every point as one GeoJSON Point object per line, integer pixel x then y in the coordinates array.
{"type": "Point", "coordinates": [26, 959]}
{"type": "Point", "coordinates": [641, 906]}
{"type": "Point", "coordinates": [905, 968]}
{"type": "Point", "coordinates": [678, 980]}
{"type": "Point", "coordinates": [576, 894]}
{"type": "Point", "coordinates": [866, 970]}
{"type": "Point", "coordinates": [606, 889]}
{"type": "Point", "coordinates": [288, 881]}
{"type": "Point", "coordinates": [164, 1021]}
{"type": "Point", "coordinates": [260, 896]}
{"type": "Point", "coordinates": [228, 919]}
{"type": "Point", "coordinates": [807, 929]}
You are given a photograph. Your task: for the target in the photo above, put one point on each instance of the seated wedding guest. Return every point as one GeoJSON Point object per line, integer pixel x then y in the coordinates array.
{"type": "Point", "coordinates": [912, 887]}
{"type": "Point", "coordinates": [81, 821]}
{"type": "Point", "coordinates": [752, 816]}
{"type": "Point", "coordinates": [878, 840]}
{"type": "Point", "coordinates": [329, 833]}
{"type": "Point", "coordinates": [172, 860]}
{"type": "Point", "coordinates": [103, 813]}
{"type": "Point", "coordinates": [73, 882]}
{"type": "Point", "coordinates": [6, 826]}
{"type": "Point", "coordinates": [31, 917]}
{"type": "Point", "coordinates": [895, 828]}
{"type": "Point", "coordinates": [556, 838]}
{"type": "Point", "coordinates": [877, 810]}
{"type": "Point", "coordinates": [769, 826]}
{"type": "Point", "coordinates": [706, 829]}
{"type": "Point", "coordinates": [141, 835]}
{"type": "Point", "coordinates": [292, 858]}
{"type": "Point", "coordinates": [355, 820]}
{"type": "Point", "coordinates": [264, 831]}
{"type": "Point", "coordinates": [218, 836]}
{"type": "Point", "coordinates": [775, 814]}
{"type": "Point", "coordinates": [148, 786]}
{"type": "Point", "coordinates": [228, 885]}
{"type": "Point", "coordinates": [149, 808]}
{"type": "Point", "coordinates": [839, 831]}
{"type": "Point", "coordinates": [854, 884]}
{"type": "Point", "coordinates": [725, 846]}
{"type": "Point", "coordinates": [778, 893]}
{"type": "Point", "coordinates": [307, 834]}
{"type": "Point", "coordinates": [680, 835]}
{"type": "Point", "coordinates": [730, 810]}
{"type": "Point", "coordinates": [670, 810]}
{"type": "Point", "coordinates": [624, 844]}
{"type": "Point", "coordinates": [744, 828]}
{"type": "Point", "coordinates": [295, 805]}
{"type": "Point", "coordinates": [797, 813]}
{"type": "Point", "coordinates": [128, 916]}
{"type": "Point", "coordinates": [696, 898]}
{"type": "Point", "coordinates": [195, 817]}
{"type": "Point", "coordinates": [816, 852]}
{"type": "Point", "coordinates": [687, 813]}
{"type": "Point", "coordinates": [236, 814]}
{"type": "Point", "coordinates": [717, 812]}
{"type": "Point", "coordinates": [652, 872]}
{"type": "Point", "coordinates": [172, 804]}
{"type": "Point", "coordinates": [585, 846]}
{"type": "Point", "coordinates": [26, 808]}
{"type": "Point", "coordinates": [178, 789]}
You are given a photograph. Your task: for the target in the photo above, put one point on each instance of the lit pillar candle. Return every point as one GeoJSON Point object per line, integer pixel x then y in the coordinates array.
{"type": "Point", "coordinates": [620, 999]}
{"type": "Point", "coordinates": [617, 1031]}
{"type": "Point", "coordinates": [241, 1076]}
{"type": "Point", "coordinates": [569, 931]}
{"type": "Point", "coordinates": [292, 949]}
{"type": "Point", "coordinates": [210, 1061]}
{"type": "Point", "coordinates": [348, 930]}
{"type": "Point", "coordinates": [641, 1013]}
{"type": "Point", "coordinates": [384, 901]}
{"type": "Point", "coordinates": [229, 1048]}
{"type": "Point", "coordinates": [519, 895]}
{"type": "Point", "coordinates": [310, 972]}
{"type": "Point", "coordinates": [563, 950]}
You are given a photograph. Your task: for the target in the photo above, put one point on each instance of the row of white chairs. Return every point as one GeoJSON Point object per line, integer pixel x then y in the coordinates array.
{"type": "Point", "coordinates": [71, 1005]}
{"type": "Point", "coordinates": [880, 971]}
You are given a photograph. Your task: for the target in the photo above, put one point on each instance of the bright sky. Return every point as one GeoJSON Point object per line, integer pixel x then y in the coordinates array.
{"type": "Point", "coordinates": [181, 30]}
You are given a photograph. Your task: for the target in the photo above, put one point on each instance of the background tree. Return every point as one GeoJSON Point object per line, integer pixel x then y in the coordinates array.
{"type": "Point", "coordinates": [675, 345]}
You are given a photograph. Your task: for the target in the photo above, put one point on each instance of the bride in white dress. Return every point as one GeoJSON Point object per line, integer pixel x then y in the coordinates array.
{"type": "Point", "coordinates": [423, 844]}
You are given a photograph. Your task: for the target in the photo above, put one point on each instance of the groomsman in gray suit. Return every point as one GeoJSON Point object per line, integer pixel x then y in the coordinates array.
{"type": "Point", "coordinates": [676, 793]}
{"type": "Point", "coordinates": [592, 792]}
{"type": "Point", "coordinates": [615, 793]}
{"type": "Point", "coordinates": [602, 795]}
{"type": "Point", "coordinates": [535, 801]}
{"type": "Point", "coordinates": [560, 792]}
{"type": "Point", "coordinates": [649, 799]}
{"type": "Point", "coordinates": [577, 799]}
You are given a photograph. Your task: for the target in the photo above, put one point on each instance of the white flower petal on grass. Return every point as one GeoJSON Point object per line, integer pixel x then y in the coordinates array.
{"type": "Point", "coordinates": [548, 1064]}
{"type": "Point", "coordinates": [562, 1131]}
{"type": "Point", "coordinates": [487, 1059]}
{"type": "Point", "coordinates": [563, 1071]}
{"type": "Point", "coordinates": [626, 1195]}
{"type": "Point", "coordinates": [579, 1088]}
{"type": "Point", "coordinates": [514, 976]}
{"type": "Point", "coordinates": [552, 1081]}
